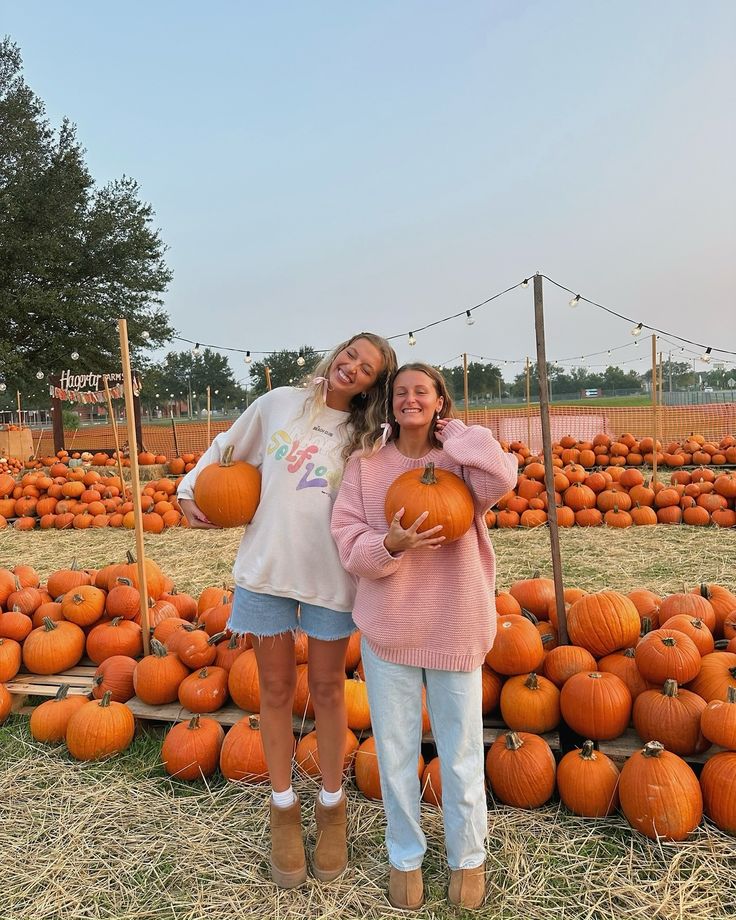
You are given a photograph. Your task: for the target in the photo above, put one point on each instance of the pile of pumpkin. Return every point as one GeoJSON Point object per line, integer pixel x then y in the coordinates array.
{"type": "Point", "coordinates": [627, 450]}
{"type": "Point", "coordinates": [10, 465]}
{"type": "Point", "coordinates": [634, 656]}
{"type": "Point", "coordinates": [176, 466]}
{"type": "Point", "coordinates": [64, 497]}
{"type": "Point", "coordinates": [618, 497]}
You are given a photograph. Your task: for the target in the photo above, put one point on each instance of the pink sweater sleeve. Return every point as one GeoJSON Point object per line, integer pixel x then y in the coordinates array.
{"type": "Point", "coordinates": [361, 548]}
{"type": "Point", "coordinates": [489, 471]}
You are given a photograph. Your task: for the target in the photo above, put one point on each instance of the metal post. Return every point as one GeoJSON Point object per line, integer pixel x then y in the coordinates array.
{"type": "Point", "coordinates": [528, 404]}
{"type": "Point", "coordinates": [654, 409]}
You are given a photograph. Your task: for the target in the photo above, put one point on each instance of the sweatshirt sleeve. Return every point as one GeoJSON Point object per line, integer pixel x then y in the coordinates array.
{"type": "Point", "coordinates": [361, 548]}
{"type": "Point", "coordinates": [246, 436]}
{"type": "Point", "coordinates": [489, 471]}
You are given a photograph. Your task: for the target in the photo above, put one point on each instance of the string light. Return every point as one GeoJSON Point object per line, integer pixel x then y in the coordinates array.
{"type": "Point", "coordinates": [74, 356]}
{"type": "Point", "coordinates": [40, 374]}
{"type": "Point", "coordinates": [247, 358]}
{"type": "Point", "coordinates": [412, 340]}
{"type": "Point", "coordinates": [300, 361]}
{"type": "Point", "coordinates": [525, 283]}
{"type": "Point", "coordinates": [574, 301]}
{"type": "Point", "coordinates": [637, 329]}
{"type": "Point", "coordinates": [145, 334]}
{"type": "Point", "coordinates": [706, 356]}
{"type": "Point", "coordinates": [3, 386]}
{"type": "Point", "coordinates": [468, 318]}
{"type": "Point", "coordinates": [196, 351]}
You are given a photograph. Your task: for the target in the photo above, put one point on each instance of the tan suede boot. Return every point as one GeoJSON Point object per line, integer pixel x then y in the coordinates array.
{"type": "Point", "coordinates": [406, 889]}
{"type": "Point", "coordinates": [467, 887]}
{"type": "Point", "coordinates": [331, 852]}
{"type": "Point", "coordinates": [288, 863]}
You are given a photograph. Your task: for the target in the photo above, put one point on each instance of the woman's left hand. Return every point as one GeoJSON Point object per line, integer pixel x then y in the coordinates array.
{"type": "Point", "coordinates": [439, 428]}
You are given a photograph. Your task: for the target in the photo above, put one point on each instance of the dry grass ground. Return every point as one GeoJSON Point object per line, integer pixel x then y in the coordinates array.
{"type": "Point", "coordinates": [120, 840]}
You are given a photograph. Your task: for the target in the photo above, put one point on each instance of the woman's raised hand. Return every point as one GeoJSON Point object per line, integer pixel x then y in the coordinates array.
{"type": "Point", "coordinates": [195, 517]}
{"type": "Point", "coordinates": [397, 540]}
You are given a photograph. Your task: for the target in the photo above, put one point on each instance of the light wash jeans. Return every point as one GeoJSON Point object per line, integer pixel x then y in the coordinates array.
{"type": "Point", "coordinates": [454, 701]}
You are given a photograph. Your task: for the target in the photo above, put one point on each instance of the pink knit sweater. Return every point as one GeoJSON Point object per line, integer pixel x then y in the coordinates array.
{"type": "Point", "coordinates": [423, 607]}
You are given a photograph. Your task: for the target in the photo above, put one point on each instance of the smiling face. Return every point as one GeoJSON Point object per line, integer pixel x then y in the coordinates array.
{"type": "Point", "coordinates": [415, 400]}
{"type": "Point", "coordinates": [353, 371]}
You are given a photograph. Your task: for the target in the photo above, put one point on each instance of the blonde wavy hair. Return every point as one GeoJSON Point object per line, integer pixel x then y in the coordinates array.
{"type": "Point", "coordinates": [368, 413]}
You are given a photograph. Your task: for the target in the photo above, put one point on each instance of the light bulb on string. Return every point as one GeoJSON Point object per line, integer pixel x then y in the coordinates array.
{"type": "Point", "coordinates": [468, 318]}
{"type": "Point", "coordinates": [574, 301]}
{"type": "Point", "coordinates": [525, 282]}
{"type": "Point", "coordinates": [247, 358]}
{"type": "Point", "coordinates": [637, 329]}
{"type": "Point", "coordinates": [196, 351]}
{"type": "Point", "coordinates": [412, 340]}
{"type": "Point", "coordinates": [145, 334]}
{"type": "Point", "coordinates": [74, 356]}
{"type": "Point", "coordinates": [39, 375]}
{"type": "Point", "coordinates": [705, 357]}
{"type": "Point", "coordinates": [300, 361]}
{"type": "Point", "coordinates": [3, 386]}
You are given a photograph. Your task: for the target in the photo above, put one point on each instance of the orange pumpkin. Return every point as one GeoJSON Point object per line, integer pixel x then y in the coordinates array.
{"type": "Point", "coordinates": [440, 492]}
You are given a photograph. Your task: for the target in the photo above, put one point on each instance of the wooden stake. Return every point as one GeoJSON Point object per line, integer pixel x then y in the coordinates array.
{"type": "Point", "coordinates": [528, 405]}
{"type": "Point", "coordinates": [268, 376]}
{"type": "Point", "coordinates": [173, 429]}
{"type": "Point", "coordinates": [654, 409]}
{"type": "Point", "coordinates": [135, 484]}
{"type": "Point", "coordinates": [111, 413]}
{"type": "Point", "coordinates": [209, 415]}
{"type": "Point", "coordinates": [549, 480]}
{"type": "Point", "coordinates": [20, 417]}
{"type": "Point", "coordinates": [38, 446]}
{"type": "Point", "coordinates": [465, 386]}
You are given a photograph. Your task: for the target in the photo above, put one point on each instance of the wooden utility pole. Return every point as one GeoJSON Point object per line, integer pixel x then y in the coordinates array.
{"type": "Point", "coordinates": [528, 404]}
{"type": "Point", "coordinates": [549, 481]}
{"type": "Point", "coordinates": [135, 485]}
{"type": "Point", "coordinates": [268, 376]}
{"type": "Point", "coordinates": [654, 409]}
{"type": "Point", "coordinates": [209, 414]}
{"type": "Point", "coordinates": [114, 434]}
{"type": "Point", "coordinates": [465, 386]}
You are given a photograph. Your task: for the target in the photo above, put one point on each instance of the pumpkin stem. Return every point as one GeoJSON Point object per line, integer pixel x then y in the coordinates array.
{"type": "Point", "coordinates": [653, 749]}
{"type": "Point", "coordinates": [98, 680]}
{"type": "Point", "coordinates": [213, 640]}
{"type": "Point", "coordinates": [731, 695]}
{"type": "Point", "coordinates": [646, 626]}
{"type": "Point", "coordinates": [588, 751]}
{"type": "Point", "coordinates": [158, 649]}
{"type": "Point", "coordinates": [48, 624]}
{"type": "Point", "coordinates": [529, 615]}
{"type": "Point", "coordinates": [227, 456]}
{"type": "Point", "coordinates": [428, 478]}
{"type": "Point", "coordinates": [116, 621]}
{"type": "Point", "coordinates": [531, 682]}
{"type": "Point", "coordinates": [203, 673]}
{"type": "Point", "coordinates": [255, 722]}
{"type": "Point", "coordinates": [704, 591]}
{"type": "Point", "coordinates": [629, 653]}
{"type": "Point", "coordinates": [124, 581]}
{"type": "Point", "coordinates": [62, 692]}
{"type": "Point", "coordinates": [105, 701]}
{"type": "Point", "coordinates": [130, 557]}
{"type": "Point", "coordinates": [513, 741]}
{"type": "Point", "coordinates": [670, 688]}
{"type": "Point", "coordinates": [194, 722]}
{"type": "Point", "coordinates": [669, 641]}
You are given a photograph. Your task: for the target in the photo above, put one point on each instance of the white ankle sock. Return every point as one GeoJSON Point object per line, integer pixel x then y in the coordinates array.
{"type": "Point", "coordinates": [283, 799]}
{"type": "Point", "coordinates": [330, 798]}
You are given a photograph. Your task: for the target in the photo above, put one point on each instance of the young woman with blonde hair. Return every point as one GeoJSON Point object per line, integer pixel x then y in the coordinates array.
{"type": "Point", "coordinates": [288, 575]}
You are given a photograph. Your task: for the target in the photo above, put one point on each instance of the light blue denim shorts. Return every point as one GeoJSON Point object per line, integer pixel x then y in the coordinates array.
{"type": "Point", "coordinates": [267, 615]}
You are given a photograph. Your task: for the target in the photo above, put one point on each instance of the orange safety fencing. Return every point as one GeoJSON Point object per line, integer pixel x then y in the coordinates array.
{"type": "Point", "coordinates": [518, 424]}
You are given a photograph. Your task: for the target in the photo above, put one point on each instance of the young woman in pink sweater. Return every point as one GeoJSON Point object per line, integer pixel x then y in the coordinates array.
{"type": "Point", "coordinates": [427, 614]}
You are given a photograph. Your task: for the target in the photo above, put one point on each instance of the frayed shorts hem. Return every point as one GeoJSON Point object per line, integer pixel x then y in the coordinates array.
{"type": "Point", "coordinates": [266, 616]}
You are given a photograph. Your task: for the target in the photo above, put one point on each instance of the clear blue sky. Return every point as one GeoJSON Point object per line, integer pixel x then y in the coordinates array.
{"type": "Point", "coordinates": [319, 168]}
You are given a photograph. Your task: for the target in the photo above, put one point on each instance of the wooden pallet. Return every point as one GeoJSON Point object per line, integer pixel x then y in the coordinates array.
{"type": "Point", "coordinates": [81, 681]}
{"type": "Point", "coordinates": [629, 743]}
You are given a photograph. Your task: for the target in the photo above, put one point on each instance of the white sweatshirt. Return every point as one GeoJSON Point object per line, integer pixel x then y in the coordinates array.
{"type": "Point", "coordinates": [287, 549]}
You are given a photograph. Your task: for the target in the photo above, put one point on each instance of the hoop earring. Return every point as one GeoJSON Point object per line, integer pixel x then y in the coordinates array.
{"type": "Point", "coordinates": [364, 396]}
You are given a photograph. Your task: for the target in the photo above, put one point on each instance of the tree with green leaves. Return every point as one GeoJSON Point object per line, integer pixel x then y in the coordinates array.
{"type": "Point", "coordinates": [184, 373]}
{"type": "Point", "coordinates": [74, 257]}
{"type": "Point", "coordinates": [284, 368]}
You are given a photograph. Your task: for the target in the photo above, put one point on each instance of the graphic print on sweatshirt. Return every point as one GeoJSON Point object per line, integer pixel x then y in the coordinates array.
{"type": "Point", "coordinates": [308, 454]}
